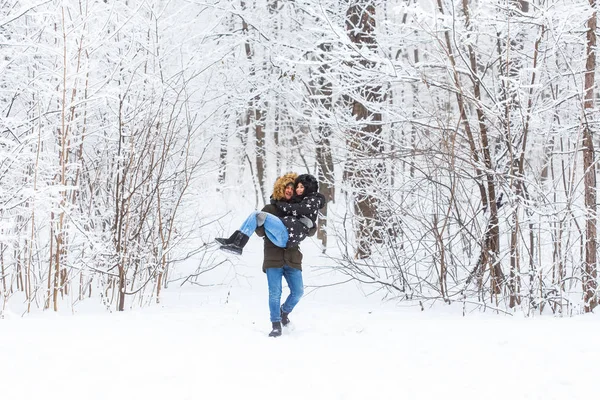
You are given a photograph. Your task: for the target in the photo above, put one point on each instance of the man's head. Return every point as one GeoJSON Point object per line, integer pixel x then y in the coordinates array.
{"type": "Point", "coordinates": [289, 191]}
{"type": "Point", "coordinates": [280, 188]}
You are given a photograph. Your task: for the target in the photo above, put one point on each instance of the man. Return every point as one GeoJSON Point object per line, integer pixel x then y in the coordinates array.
{"type": "Point", "coordinates": [280, 262]}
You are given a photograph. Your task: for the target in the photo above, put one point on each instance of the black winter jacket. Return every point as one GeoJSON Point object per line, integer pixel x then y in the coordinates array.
{"type": "Point", "coordinates": [307, 206]}
{"type": "Point", "coordinates": [276, 257]}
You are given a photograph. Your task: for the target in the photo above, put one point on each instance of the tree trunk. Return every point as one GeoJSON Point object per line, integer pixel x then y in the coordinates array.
{"type": "Point", "coordinates": [510, 51]}
{"type": "Point", "coordinates": [261, 151]}
{"type": "Point", "coordinates": [223, 159]}
{"type": "Point", "coordinates": [256, 117]}
{"type": "Point", "coordinates": [590, 273]}
{"type": "Point", "coordinates": [323, 89]}
{"type": "Point", "coordinates": [481, 157]}
{"type": "Point", "coordinates": [492, 240]}
{"type": "Point", "coordinates": [364, 142]}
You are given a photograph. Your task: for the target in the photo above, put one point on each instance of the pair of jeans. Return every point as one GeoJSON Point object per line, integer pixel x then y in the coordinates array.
{"type": "Point", "coordinates": [274, 227]}
{"type": "Point", "coordinates": [293, 277]}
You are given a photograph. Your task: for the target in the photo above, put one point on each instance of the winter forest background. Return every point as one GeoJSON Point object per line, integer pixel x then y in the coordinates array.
{"type": "Point", "coordinates": [455, 141]}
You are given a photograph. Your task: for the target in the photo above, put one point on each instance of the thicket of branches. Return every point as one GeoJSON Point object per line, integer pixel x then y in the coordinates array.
{"type": "Point", "coordinates": [454, 140]}
{"type": "Point", "coordinates": [487, 142]}
{"type": "Point", "coordinates": [99, 147]}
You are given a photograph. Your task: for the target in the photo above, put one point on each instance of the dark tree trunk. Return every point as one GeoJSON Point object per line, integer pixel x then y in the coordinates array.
{"type": "Point", "coordinates": [364, 142]}
{"type": "Point", "coordinates": [590, 270]}
{"type": "Point", "coordinates": [323, 90]}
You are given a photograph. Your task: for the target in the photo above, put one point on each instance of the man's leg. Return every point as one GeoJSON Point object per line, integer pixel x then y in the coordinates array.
{"type": "Point", "coordinates": [274, 280]}
{"type": "Point", "coordinates": [293, 277]}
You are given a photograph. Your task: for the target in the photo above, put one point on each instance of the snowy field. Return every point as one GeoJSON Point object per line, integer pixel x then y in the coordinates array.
{"type": "Point", "coordinates": [211, 343]}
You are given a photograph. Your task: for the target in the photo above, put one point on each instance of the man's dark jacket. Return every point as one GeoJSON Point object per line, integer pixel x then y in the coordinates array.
{"type": "Point", "coordinates": [276, 257]}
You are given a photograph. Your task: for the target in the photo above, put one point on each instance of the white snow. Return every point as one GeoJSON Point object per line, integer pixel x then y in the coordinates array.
{"type": "Point", "coordinates": [211, 342]}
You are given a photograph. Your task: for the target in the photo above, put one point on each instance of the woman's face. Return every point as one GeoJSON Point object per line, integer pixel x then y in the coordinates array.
{"type": "Point", "coordinates": [289, 192]}
{"type": "Point", "coordinates": [299, 189]}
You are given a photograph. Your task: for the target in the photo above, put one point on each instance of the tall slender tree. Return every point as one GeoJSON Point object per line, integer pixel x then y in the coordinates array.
{"type": "Point", "coordinates": [590, 272]}
{"type": "Point", "coordinates": [363, 166]}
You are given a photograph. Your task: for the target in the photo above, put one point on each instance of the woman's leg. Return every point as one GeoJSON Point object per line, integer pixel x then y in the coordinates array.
{"type": "Point", "coordinates": [275, 230]}
{"type": "Point", "coordinates": [274, 227]}
{"type": "Point", "coordinates": [249, 225]}
{"type": "Point", "coordinates": [274, 281]}
{"type": "Point", "coordinates": [293, 277]}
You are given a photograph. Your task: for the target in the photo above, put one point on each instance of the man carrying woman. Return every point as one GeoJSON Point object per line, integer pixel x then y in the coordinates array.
{"type": "Point", "coordinates": [283, 224]}
{"type": "Point", "coordinates": [299, 214]}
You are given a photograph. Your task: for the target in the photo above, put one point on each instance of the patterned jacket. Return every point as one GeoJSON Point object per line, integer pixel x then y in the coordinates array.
{"type": "Point", "coordinates": [306, 206]}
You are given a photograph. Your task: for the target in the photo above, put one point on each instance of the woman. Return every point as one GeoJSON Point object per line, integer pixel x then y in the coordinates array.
{"type": "Point", "coordinates": [300, 214]}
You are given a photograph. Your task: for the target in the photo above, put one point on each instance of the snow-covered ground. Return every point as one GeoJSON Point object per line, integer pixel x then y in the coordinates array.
{"type": "Point", "coordinates": [210, 342]}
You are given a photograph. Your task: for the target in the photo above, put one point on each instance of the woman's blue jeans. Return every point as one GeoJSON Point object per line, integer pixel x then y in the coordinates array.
{"type": "Point", "coordinates": [293, 277]}
{"type": "Point", "coordinates": [274, 228]}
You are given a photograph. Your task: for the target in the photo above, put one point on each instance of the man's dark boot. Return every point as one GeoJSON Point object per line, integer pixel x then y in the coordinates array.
{"type": "Point", "coordinates": [237, 244]}
{"type": "Point", "coordinates": [276, 330]}
{"type": "Point", "coordinates": [228, 240]}
{"type": "Point", "coordinates": [284, 317]}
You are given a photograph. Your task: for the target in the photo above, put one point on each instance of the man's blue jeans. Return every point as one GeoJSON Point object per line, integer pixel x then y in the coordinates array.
{"type": "Point", "coordinates": [274, 228]}
{"type": "Point", "coordinates": [293, 278]}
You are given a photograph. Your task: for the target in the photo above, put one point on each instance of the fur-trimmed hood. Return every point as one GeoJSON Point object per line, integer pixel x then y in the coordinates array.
{"type": "Point", "coordinates": [281, 183]}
